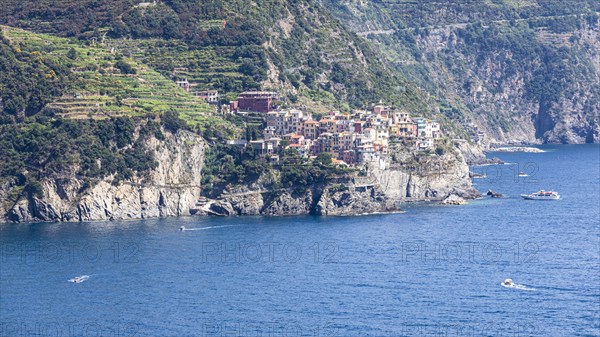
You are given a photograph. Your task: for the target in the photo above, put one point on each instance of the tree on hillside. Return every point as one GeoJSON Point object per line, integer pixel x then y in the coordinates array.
{"type": "Point", "coordinates": [324, 159]}
{"type": "Point", "coordinates": [125, 67]}
{"type": "Point", "coordinates": [171, 121]}
{"type": "Point", "coordinates": [72, 54]}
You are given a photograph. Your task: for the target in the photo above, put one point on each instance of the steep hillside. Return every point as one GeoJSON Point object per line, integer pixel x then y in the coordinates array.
{"type": "Point", "coordinates": [92, 125]}
{"type": "Point", "coordinates": [87, 133]}
{"type": "Point", "coordinates": [74, 117]}
{"type": "Point", "coordinates": [522, 71]}
{"type": "Point", "coordinates": [56, 76]}
{"type": "Point", "coordinates": [518, 71]}
{"type": "Point", "coordinates": [295, 47]}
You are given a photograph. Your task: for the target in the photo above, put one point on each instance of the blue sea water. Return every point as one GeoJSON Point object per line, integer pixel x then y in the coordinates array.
{"type": "Point", "coordinates": [432, 271]}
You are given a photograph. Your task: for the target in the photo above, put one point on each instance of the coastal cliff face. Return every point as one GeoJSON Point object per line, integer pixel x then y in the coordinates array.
{"type": "Point", "coordinates": [436, 179]}
{"type": "Point", "coordinates": [171, 189]}
{"type": "Point", "coordinates": [516, 94]}
{"type": "Point", "coordinates": [329, 199]}
{"type": "Point", "coordinates": [381, 189]}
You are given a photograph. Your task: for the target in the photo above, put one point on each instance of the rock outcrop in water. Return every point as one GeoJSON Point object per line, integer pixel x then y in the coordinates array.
{"type": "Point", "coordinates": [453, 200]}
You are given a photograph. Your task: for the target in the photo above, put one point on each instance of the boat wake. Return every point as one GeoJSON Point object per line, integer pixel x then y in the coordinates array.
{"type": "Point", "coordinates": [493, 164]}
{"type": "Point", "coordinates": [517, 286]}
{"type": "Point", "coordinates": [205, 228]}
{"type": "Point", "coordinates": [79, 279]}
{"type": "Point", "coordinates": [381, 213]}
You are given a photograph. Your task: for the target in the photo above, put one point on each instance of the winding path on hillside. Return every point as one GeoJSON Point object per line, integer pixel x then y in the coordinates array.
{"type": "Point", "coordinates": [464, 25]}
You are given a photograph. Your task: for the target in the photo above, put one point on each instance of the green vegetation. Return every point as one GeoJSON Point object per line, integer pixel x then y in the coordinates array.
{"type": "Point", "coordinates": [125, 68]}
{"type": "Point", "coordinates": [227, 164]}
{"type": "Point", "coordinates": [42, 148]}
{"type": "Point", "coordinates": [81, 82]}
{"type": "Point", "coordinates": [66, 109]}
{"type": "Point", "coordinates": [77, 102]}
{"type": "Point", "coordinates": [229, 69]}
{"type": "Point", "coordinates": [410, 14]}
{"type": "Point", "coordinates": [28, 81]}
{"type": "Point", "coordinates": [483, 61]}
{"type": "Point", "coordinates": [230, 45]}
{"type": "Point", "coordinates": [548, 67]}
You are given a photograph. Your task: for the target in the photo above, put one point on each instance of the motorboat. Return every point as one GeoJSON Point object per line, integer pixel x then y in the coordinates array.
{"type": "Point", "coordinates": [508, 283]}
{"type": "Point", "coordinates": [523, 174]}
{"type": "Point", "coordinates": [541, 195]}
{"type": "Point", "coordinates": [182, 228]}
{"type": "Point", "coordinates": [79, 279]}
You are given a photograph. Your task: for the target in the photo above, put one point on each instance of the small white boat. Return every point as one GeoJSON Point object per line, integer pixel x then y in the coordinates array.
{"type": "Point", "coordinates": [79, 279]}
{"type": "Point", "coordinates": [182, 228]}
{"type": "Point", "coordinates": [523, 174]}
{"type": "Point", "coordinates": [541, 195]}
{"type": "Point", "coordinates": [508, 283]}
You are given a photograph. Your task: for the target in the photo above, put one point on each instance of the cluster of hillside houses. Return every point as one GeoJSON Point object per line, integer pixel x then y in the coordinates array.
{"type": "Point", "coordinates": [358, 137]}
{"type": "Point", "coordinates": [351, 138]}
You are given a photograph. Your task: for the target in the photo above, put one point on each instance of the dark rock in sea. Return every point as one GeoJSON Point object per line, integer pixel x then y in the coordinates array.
{"type": "Point", "coordinates": [494, 194]}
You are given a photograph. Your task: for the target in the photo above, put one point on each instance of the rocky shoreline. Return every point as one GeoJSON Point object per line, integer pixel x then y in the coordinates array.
{"type": "Point", "coordinates": [380, 191]}
{"type": "Point", "coordinates": [525, 149]}
{"type": "Point", "coordinates": [172, 190]}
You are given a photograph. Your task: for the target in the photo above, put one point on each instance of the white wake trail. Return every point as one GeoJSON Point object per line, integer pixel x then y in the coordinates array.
{"type": "Point", "coordinates": [518, 287]}
{"type": "Point", "coordinates": [205, 228]}
{"type": "Point", "coordinates": [79, 279]}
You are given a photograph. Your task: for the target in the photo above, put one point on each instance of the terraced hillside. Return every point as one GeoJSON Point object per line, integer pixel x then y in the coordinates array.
{"type": "Point", "coordinates": [294, 47]}
{"type": "Point", "coordinates": [104, 84]}
{"type": "Point", "coordinates": [73, 112]}
{"type": "Point", "coordinates": [524, 71]}
{"type": "Point", "coordinates": [206, 68]}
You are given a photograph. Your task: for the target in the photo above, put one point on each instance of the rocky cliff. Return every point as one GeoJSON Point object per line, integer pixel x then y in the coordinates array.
{"type": "Point", "coordinates": [171, 189]}
{"type": "Point", "coordinates": [436, 178]}
{"type": "Point", "coordinates": [518, 94]}
{"type": "Point", "coordinates": [382, 188]}
{"type": "Point", "coordinates": [329, 199]}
